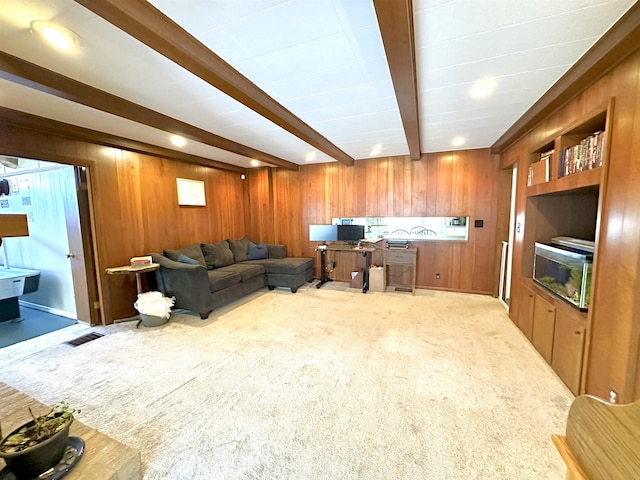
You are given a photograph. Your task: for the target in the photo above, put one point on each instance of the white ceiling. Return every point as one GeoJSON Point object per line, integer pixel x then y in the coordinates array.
{"type": "Point", "coordinates": [323, 60]}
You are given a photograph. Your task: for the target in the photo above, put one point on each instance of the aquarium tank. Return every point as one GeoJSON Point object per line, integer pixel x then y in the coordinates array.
{"type": "Point", "coordinates": [565, 271]}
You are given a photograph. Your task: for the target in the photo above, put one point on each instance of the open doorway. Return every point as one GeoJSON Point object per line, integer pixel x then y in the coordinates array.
{"type": "Point", "coordinates": [54, 197]}
{"type": "Point", "coordinates": [504, 292]}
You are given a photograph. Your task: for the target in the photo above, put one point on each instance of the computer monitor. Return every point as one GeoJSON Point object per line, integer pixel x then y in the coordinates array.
{"type": "Point", "coordinates": [350, 233]}
{"type": "Point", "coordinates": [323, 233]}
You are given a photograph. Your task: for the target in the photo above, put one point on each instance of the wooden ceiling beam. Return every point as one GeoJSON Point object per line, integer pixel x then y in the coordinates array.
{"type": "Point", "coordinates": [147, 24]}
{"type": "Point", "coordinates": [33, 76]}
{"type": "Point", "coordinates": [395, 19]}
{"type": "Point", "coordinates": [16, 118]}
{"type": "Point", "coordinates": [620, 41]}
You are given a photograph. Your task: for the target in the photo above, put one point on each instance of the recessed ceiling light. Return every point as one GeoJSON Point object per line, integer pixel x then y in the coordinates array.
{"type": "Point", "coordinates": [178, 141]}
{"type": "Point", "coordinates": [310, 157]}
{"type": "Point", "coordinates": [483, 88]}
{"type": "Point", "coordinates": [458, 141]}
{"type": "Point", "coordinates": [60, 37]}
{"type": "Point", "coordinates": [375, 150]}
{"type": "Point", "coordinates": [255, 163]}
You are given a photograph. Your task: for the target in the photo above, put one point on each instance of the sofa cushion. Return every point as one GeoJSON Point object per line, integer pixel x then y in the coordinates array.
{"type": "Point", "coordinates": [257, 251]}
{"type": "Point", "coordinates": [289, 265]}
{"type": "Point", "coordinates": [240, 248]}
{"type": "Point", "coordinates": [246, 270]}
{"type": "Point", "coordinates": [193, 252]}
{"type": "Point", "coordinates": [220, 279]}
{"type": "Point", "coordinates": [277, 251]}
{"type": "Point", "coordinates": [184, 259]}
{"type": "Point", "coordinates": [217, 255]}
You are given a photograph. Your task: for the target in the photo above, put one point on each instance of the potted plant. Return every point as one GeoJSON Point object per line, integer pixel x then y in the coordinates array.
{"type": "Point", "coordinates": [38, 445]}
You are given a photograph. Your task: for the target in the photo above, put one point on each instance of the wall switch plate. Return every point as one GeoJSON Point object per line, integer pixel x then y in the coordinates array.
{"type": "Point", "coordinates": [478, 223]}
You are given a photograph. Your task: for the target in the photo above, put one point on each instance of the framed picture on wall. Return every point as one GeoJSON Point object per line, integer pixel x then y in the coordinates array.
{"type": "Point", "coordinates": [191, 192]}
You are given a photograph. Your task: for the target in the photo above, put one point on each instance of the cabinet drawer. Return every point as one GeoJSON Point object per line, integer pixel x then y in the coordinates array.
{"type": "Point", "coordinates": [399, 257]}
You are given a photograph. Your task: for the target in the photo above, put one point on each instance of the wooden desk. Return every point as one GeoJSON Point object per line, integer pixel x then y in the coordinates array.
{"type": "Point", "coordinates": [405, 257]}
{"type": "Point", "coordinates": [366, 253]}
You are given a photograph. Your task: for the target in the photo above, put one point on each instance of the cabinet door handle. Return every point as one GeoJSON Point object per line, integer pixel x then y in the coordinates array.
{"type": "Point", "coordinates": [550, 310]}
{"type": "Point", "coordinates": [578, 332]}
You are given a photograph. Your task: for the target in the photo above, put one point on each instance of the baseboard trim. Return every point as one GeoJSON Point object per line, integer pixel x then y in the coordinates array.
{"type": "Point", "coordinates": [53, 311]}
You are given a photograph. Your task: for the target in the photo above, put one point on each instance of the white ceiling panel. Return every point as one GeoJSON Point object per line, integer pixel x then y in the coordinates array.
{"type": "Point", "coordinates": [524, 47]}
{"type": "Point", "coordinates": [330, 55]}
{"type": "Point", "coordinates": [323, 60]}
{"type": "Point", "coordinates": [41, 104]}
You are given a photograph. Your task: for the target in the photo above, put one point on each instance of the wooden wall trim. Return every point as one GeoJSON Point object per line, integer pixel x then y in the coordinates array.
{"type": "Point", "coordinates": [33, 76]}
{"type": "Point", "coordinates": [618, 43]}
{"type": "Point", "coordinates": [147, 24]}
{"type": "Point", "coordinates": [395, 20]}
{"type": "Point", "coordinates": [15, 118]}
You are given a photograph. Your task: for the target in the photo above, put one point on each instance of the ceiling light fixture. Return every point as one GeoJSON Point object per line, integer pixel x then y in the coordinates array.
{"type": "Point", "coordinates": [178, 141]}
{"type": "Point", "coordinates": [310, 157]}
{"type": "Point", "coordinates": [255, 163]}
{"type": "Point", "coordinates": [458, 141]}
{"type": "Point", "coordinates": [483, 88]}
{"type": "Point", "coordinates": [375, 150]}
{"type": "Point", "coordinates": [60, 37]}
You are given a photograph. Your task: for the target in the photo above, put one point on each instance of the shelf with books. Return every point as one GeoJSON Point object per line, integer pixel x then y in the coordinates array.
{"type": "Point", "coordinates": [540, 165]}
{"type": "Point", "coordinates": [582, 146]}
{"type": "Point", "coordinates": [574, 157]}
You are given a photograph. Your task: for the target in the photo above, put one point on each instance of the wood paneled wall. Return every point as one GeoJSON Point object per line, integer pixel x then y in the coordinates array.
{"type": "Point", "coordinates": [462, 183]}
{"type": "Point", "coordinates": [614, 338]}
{"type": "Point", "coordinates": [135, 207]}
{"type": "Point", "coordinates": [137, 212]}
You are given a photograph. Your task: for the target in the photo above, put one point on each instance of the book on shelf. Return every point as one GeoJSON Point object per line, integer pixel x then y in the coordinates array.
{"type": "Point", "coordinates": [539, 171]}
{"type": "Point", "coordinates": [141, 261]}
{"type": "Point", "coordinates": [586, 155]}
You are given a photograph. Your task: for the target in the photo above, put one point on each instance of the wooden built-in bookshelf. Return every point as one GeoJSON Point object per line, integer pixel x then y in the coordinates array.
{"type": "Point", "coordinates": [573, 159]}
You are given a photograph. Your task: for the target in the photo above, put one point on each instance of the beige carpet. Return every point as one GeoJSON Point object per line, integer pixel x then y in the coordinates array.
{"type": "Point", "coordinates": [324, 384]}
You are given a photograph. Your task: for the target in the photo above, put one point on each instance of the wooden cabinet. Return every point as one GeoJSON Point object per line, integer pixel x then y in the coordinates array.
{"type": "Point", "coordinates": [556, 330]}
{"type": "Point", "coordinates": [525, 316]}
{"type": "Point", "coordinates": [400, 266]}
{"type": "Point", "coordinates": [568, 349]}
{"type": "Point", "coordinates": [544, 321]}
{"type": "Point", "coordinates": [573, 159]}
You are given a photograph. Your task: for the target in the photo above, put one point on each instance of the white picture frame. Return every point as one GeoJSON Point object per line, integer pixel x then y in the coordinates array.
{"type": "Point", "coordinates": [191, 192]}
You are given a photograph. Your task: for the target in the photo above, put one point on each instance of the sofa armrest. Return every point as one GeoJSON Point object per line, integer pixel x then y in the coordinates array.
{"type": "Point", "coordinates": [277, 251]}
{"type": "Point", "coordinates": [188, 283]}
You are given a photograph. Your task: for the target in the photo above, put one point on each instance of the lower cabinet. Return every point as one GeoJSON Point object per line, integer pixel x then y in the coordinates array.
{"type": "Point", "coordinates": [568, 349]}
{"type": "Point", "coordinates": [544, 322]}
{"type": "Point", "coordinates": [525, 316]}
{"type": "Point", "coordinates": [556, 330]}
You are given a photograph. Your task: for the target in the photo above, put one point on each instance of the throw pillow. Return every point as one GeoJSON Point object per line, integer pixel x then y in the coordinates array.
{"type": "Point", "coordinates": [193, 251]}
{"type": "Point", "coordinates": [240, 248]}
{"type": "Point", "coordinates": [217, 254]}
{"type": "Point", "coordinates": [277, 251]}
{"type": "Point", "coordinates": [257, 251]}
{"type": "Point", "coordinates": [184, 259]}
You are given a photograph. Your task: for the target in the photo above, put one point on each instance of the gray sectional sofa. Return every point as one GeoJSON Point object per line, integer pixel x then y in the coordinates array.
{"type": "Point", "coordinates": [205, 276]}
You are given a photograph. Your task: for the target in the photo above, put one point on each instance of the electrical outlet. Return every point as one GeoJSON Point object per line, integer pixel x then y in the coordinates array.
{"type": "Point", "coordinates": [437, 276]}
